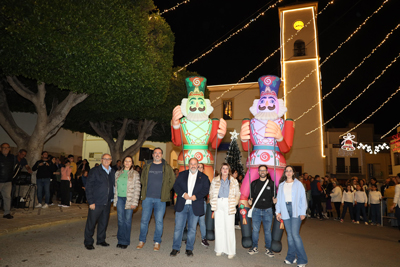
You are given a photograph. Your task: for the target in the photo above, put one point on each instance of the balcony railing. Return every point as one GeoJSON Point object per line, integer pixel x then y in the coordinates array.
{"type": "Point", "coordinates": [348, 169]}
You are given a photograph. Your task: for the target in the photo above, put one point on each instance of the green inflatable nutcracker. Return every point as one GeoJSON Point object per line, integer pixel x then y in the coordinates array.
{"type": "Point", "coordinates": [191, 126]}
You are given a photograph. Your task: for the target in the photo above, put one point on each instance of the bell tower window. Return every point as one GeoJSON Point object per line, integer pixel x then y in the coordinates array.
{"type": "Point", "coordinates": [299, 48]}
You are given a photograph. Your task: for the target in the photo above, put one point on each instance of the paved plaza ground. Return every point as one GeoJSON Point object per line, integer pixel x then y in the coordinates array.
{"type": "Point", "coordinates": [54, 237]}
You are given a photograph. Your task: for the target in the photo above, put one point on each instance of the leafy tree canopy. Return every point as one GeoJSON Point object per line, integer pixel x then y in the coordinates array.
{"type": "Point", "coordinates": [111, 50]}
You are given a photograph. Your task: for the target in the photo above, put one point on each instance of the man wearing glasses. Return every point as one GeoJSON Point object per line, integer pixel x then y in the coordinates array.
{"type": "Point", "coordinates": [99, 192]}
{"type": "Point", "coordinates": [262, 212]}
{"type": "Point", "coordinates": [7, 161]}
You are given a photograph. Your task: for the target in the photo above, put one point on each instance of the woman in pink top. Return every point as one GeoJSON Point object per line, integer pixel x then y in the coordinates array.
{"type": "Point", "coordinates": [65, 184]}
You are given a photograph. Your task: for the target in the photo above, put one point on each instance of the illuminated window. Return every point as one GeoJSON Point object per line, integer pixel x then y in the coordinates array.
{"type": "Point", "coordinates": [228, 110]}
{"type": "Point", "coordinates": [299, 48]}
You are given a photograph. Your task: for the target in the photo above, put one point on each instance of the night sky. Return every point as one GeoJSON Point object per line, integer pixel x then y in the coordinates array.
{"type": "Point", "coordinates": [200, 24]}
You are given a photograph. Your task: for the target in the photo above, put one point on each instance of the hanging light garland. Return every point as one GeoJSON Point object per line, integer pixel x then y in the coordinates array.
{"type": "Point", "coordinates": [376, 150]}
{"type": "Point", "coordinates": [397, 125]}
{"type": "Point", "coordinates": [331, 54]}
{"type": "Point", "coordinates": [369, 116]}
{"type": "Point", "coordinates": [350, 73]}
{"type": "Point", "coordinates": [174, 7]}
{"type": "Point", "coordinates": [273, 53]}
{"type": "Point", "coordinates": [229, 37]}
{"type": "Point", "coordinates": [354, 99]}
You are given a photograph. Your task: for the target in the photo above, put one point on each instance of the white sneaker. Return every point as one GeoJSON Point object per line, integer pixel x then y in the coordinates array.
{"type": "Point", "coordinates": [269, 253]}
{"type": "Point", "coordinates": [253, 251]}
{"type": "Point", "coordinates": [288, 262]}
{"type": "Point", "coordinates": [45, 206]}
{"type": "Point", "coordinates": [218, 254]}
{"type": "Point", "coordinates": [51, 204]}
{"type": "Point", "coordinates": [301, 265]}
{"type": "Point", "coordinates": [38, 205]}
{"type": "Point", "coordinates": [231, 256]}
{"type": "Point", "coordinates": [65, 206]}
{"type": "Point", "coordinates": [237, 227]}
{"type": "Point", "coordinates": [59, 205]}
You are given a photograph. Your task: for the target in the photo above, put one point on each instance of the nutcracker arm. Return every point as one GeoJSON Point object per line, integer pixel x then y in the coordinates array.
{"type": "Point", "coordinates": [245, 129]}
{"type": "Point", "coordinates": [214, 134]}
{"type": "Point", "coordinates": [287, 142]}
{"type": "Point", "coordinates": [176, 136]}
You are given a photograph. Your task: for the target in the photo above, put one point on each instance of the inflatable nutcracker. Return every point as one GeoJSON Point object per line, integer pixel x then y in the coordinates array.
{"type": "Point", "coordinates": [195, 131]}
{"type": "Point", "coordinates": [271, 136]}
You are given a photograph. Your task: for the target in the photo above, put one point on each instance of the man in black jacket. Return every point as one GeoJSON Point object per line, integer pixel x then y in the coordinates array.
{"type": "Point", "coordinates": [45, 169]}
{"type": "Point", "coordinates": [99, 192]}
{"type": "Point", "coordinates": [7, 162]}
{"type": "Point", "coordinates": [262, 211]}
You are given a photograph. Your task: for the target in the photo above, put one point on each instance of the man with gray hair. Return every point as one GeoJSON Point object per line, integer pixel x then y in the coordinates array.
{"type": "Point", "coordinates": [191, 187]}
{"type": "Point", "coordinates": [99, 192]}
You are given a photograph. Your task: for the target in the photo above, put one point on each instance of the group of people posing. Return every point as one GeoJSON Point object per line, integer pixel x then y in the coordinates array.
{"type": "Point", "coordinates": [192, 188]}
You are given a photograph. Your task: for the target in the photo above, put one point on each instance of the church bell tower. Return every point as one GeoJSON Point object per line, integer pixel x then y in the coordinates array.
{"type": "Point", "coordinates": [299, 59]}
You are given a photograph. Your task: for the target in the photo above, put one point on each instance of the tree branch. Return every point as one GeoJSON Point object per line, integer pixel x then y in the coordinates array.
{"type": "Point", "coordinates": [21, 89]}
{"type": "Point", "coordinates": [145, 131]}
{"type": "Point", "coordinates": [99, 128]}
{"type": "Point", "coordinates": [7, 121]}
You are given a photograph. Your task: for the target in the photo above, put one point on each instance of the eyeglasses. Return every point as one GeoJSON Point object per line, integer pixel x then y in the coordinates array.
{"type": "Point", "coordinates": [106, 159]}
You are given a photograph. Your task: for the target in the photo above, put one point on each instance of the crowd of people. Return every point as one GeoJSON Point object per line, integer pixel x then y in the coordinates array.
{"type": "Point", "coordinates": [125, 185]}
{"type": "Point", "coordinates": [361, 199]}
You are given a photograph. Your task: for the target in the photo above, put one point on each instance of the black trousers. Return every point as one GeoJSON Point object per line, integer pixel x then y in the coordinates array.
{"type": "Point", "coordinates": [100, 217]}
{"type": "Point", "coordinates": [337, 208]}
{"type": "Point", "coordinates": [316, 205]}
{"type": "Point", "coordinates": [64, 190]}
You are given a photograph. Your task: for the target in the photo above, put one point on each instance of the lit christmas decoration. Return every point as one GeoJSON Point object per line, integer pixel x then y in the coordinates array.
{"type": "Point", "coordinates": [376, 149]}
{"type": "Point", "coordinates": [397, 125]}
{"type": "Point", "coordinates": [174, 7]}
{"type": "Point", "coordinates": [354, 99]}
{"type": "Point", "coordinates": [348, 75]}
{"type": "Point", "coordinates": [234, 135]}
{"type": "Point", "coordinates": [230, 36]}
{"type": "Point", "coordinates": [370, 115]}
{"type": "Point", "coordinates": [396, 142]}
{"type": "Point", "coordinates": [348, 142]}
{"type": "Point", "coordinates": [273, 53]}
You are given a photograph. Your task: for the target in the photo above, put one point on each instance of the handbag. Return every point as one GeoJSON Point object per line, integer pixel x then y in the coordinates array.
{"type": "Point", "coordinates": [250, 213]}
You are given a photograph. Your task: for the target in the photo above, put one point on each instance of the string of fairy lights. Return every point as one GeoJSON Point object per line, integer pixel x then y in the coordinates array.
{"type": "Point", "coordinates": [273, 53]}
{"type": "Point", "coordinates": [331, 54]}
{"type": "Point", "coordinates": [229, 37]}
{"type": "Point", "coordinates": [370, 115]}
{"type": "Point", "coordinates": [350, 73]}
{"type": "Point", "coordinates": [397, 125]}
{"type": "Point", "coordinates": [174, 7]}
{"type": "Point", "coordinates": [354, 99]}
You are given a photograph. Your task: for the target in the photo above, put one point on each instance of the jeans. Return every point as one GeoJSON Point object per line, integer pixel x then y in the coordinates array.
{"type": "Point", "coordinates": [345, 206]}
{"type": "Point", "coordinates": [5, 190]}
{"type": "Point", "coordinates": [264, 216]}
{"type": "Point", "coordinates": [43, 183]}
{"type": "Point", "coordinates": [180, 221]}
{"type": "Point", "coordinates": [202, 223]}
{"type": "Point", "coordinates": [147, 209]}
{"type": "Point", "coordinates": [124, 222]}
{"type": "Point", "coordinates": [360, 208]}
{"type": "Point", "coordinates": [376, 213]}
{"type": "Point", "coordinates": [397, 214]}
{"type": "Point", "coordinates": [295, 244]}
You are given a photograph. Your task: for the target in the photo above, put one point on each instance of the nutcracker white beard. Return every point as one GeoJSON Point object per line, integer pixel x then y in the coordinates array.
{"type": "Point", "coordinates": [197, 116]}
{"type": "Point", "coordinates": [266, 116]}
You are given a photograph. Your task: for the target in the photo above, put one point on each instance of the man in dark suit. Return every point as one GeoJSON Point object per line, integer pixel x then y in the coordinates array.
{"type": "Point", "coordinates": [99, 192]}
{"type": "Point", "coordinates": [191, 187]}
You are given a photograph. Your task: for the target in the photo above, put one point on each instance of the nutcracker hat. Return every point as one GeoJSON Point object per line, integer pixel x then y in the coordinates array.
{"type": "Point", "coordinates": [196, 86]}
{"type": "Point", "coordinates": [269, 85]}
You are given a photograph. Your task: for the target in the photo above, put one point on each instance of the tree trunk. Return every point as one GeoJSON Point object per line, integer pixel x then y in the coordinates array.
{"type": "Point", "coordinates": [47, 125]}
{"type": "Point", "coordinates": [104, 130]}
